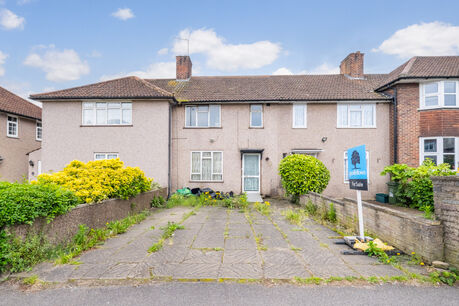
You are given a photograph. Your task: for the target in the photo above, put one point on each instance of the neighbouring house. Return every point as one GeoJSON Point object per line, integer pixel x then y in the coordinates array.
{"type": "Point", "coordinates": [20, 133]}
{"type": "Point", "coordinates": [228, 132]}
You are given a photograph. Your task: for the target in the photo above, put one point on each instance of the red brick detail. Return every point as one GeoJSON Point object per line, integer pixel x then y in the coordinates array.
{"type": "Point", "coordinates": [439, 122]}
{"type": "Point", "coordinates": [183, 67]}
{"type": "Point", "coordinates": [352, 65]}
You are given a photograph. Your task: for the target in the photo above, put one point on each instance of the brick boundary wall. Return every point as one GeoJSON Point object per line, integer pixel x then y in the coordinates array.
{"type": "Point", "coordinates": [408, 232]}
{"type": "Point", "coordinates": [64, 227]}
{"type": "Point", "coordinates": [446, 198]}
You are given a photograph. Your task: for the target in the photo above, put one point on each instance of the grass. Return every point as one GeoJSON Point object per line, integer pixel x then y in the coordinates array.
{"type": "Point", "coordinates": [169, 230]}
{"type": "Point", "coordinates": [31, 280]}
{"type": "Point", "coordinates": [263, 208]}
{"type": "Point", "coordinates": [293, 216]}
{"type": "Point", "coordinates": [259, 241]}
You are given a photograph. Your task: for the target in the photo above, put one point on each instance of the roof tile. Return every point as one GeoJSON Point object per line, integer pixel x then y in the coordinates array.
{"type": "Point", "coordinates": [11, 103]}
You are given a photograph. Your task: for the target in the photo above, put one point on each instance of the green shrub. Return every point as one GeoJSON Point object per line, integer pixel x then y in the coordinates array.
{"type": "Point", "coordinates": [415, 188]}
{"type": "Point", "coordinates": [301, 174]}
{"type": "Point", "coordinates": [331, 214]}
{"type": "Point", "coordinates": [158, 201]}
{"type": "Point", "coordinates": [23, 203]}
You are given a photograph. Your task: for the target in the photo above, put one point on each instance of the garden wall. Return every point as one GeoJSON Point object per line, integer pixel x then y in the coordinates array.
{"type": "Point", "coordinates": [64, 227]}
{"type": "Point", "coordinates": [446, 202]}
{"type": "Point", "coordinates": [405, 229]}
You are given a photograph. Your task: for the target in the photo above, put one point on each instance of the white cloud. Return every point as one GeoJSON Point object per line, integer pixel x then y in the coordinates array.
{"type": "Point", "coordinates": [3, 57]}
{"type": "Point", "coordinates": [434, 38]}
{"type": "Point", "coordinates": [223, 56]}
{"type": "Point", "coordinates": [123, 14]}
{"type": "Point", "coordinates": [163, 51]}
{"type": "Point", "coordinates": [10, 21]}
{"type": "Point", "coordinates": [283, 71]}
{"type": "Point", "coordinates": [155, 70]}
{"type": "Point", "coordinates": [325, 68]}
{"type": "Point", "coordinates": [59, 66]}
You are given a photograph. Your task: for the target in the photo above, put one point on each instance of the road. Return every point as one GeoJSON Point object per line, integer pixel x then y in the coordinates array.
{"type": "Point", "coordinates": [181, 293]}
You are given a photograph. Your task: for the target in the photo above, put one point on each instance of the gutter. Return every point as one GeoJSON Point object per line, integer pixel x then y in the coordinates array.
{"type": "Point", "coordinates": [388, 85]}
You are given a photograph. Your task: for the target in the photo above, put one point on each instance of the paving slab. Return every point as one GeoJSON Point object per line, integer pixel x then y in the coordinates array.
{"type": "Point", "coordinates": [241, 270]}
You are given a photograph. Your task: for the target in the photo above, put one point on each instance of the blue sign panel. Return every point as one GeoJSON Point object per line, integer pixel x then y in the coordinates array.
{"type": "Point", "coordinates": [357, 168]}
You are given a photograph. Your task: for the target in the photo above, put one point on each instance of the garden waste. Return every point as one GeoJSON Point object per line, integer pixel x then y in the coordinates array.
{"type": "Point", "coordinates": [377, 242]}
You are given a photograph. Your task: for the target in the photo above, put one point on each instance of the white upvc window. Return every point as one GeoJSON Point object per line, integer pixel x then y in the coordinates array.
{"type": "Point", "coordinates": [356, 115]}
{"type": "Point", "coordinates": [346, 177]}
{"type": "Point", "coordinates": [207, 166]}
{"type": "Point", "coordinates": [202, 115]}
{"type": "Point", "coordinates": [12, 126]}
{"type": "Point", "coordinates": [101, 156]}
{"type": "Point", "coordinates": [439, 94]}
{"type": "Point", "coordinates": [256, 115]}
{"type": "Point", "coordinates": [440, 150]}
{"type": "Point", "coordinates": [299, 114]}
{"type": "Point", "coordinates": [107, 113]}
{"type": "Point", "coordinates": [38, 131]}
{"type": "Point", "coordinates": [311, 152]}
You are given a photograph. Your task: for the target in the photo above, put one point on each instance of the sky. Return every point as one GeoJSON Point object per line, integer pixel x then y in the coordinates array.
{"type": "Point", "coordinates": [48, 45]}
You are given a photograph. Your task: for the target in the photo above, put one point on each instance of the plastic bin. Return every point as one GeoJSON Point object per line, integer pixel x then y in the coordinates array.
{"type": "Point", "coordinates": [382, 198]}
{"type": "Point", "coordinates": [393, 186]}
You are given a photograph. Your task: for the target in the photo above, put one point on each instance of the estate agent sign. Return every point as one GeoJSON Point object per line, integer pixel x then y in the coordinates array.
{"type": "Point", "coordinates": [357, 168]}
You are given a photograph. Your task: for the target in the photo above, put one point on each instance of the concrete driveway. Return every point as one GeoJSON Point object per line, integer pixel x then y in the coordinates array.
{"type": "Point", "coordinates": [217, 243]}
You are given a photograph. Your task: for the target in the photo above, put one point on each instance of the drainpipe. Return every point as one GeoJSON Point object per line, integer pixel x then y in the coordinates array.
{"type": "Point", "coordinates": [395, 126]}
{"type": "Point", "coordinates": [169, 159]}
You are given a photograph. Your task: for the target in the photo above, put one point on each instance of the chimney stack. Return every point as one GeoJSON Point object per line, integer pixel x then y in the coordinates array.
{"type": "Point", "coordinates": [183, 68]}
{"type": "Point", "coordinates": [352, 65]}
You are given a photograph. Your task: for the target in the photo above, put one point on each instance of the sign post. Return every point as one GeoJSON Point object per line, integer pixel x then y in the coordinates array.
{"type": "Point", "coordinates": [358, 179]}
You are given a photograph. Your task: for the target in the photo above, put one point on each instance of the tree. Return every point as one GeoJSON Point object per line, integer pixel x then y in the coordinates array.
{"type": "Point", "coordinates": [301, 174]}
{"type": "Point", "coordinates": [355, 159]}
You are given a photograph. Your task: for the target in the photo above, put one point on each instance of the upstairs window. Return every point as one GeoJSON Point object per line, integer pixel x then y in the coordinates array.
{"type": "Point", "coordinates": [38, 131]}
{"type": "Point", "coordinates": [202, 116]}
{"type": "Point", "coordinates": [440, 150]}
{"type": "Point", "coordinates": [356, 116]}
{"type": "Point", "coordinates": [102, 156]}
{"type": "Point", "coordinates": [12, 126]}
{"type": "Point", "coordinates": [256, 115]}
{"type": "Point", "coordinates": [299, 116]}
{"type": "Point", "coordinates": [439, 94]}
{"type": "Point", "coordinates": [107, 113]}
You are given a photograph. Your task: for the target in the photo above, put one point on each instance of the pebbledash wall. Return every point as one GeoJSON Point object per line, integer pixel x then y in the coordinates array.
{"type": "Point", "coordinates": [407, 231]}
{"type": "Point", "coordinates": [277, 137]}
{"type": "Point", "coordinates": [446, 197]}
{"type": "Point", "coordinates": [64, 227]}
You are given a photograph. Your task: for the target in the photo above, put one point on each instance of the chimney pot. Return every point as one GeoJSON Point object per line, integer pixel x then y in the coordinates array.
{"type": "Point", "coordinates": [183, 68]}
{"type": "Point", "coordinates": [352, 65]}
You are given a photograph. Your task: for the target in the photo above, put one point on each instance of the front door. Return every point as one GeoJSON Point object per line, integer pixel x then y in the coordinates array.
{"type": "Point", "coordinates": [251, 172]}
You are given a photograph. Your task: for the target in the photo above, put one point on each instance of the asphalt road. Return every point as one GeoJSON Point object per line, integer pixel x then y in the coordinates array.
{"type": "Point", "coordinates": [176, 293]}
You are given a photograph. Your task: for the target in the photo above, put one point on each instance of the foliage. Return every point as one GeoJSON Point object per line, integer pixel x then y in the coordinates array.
{"type": "Point", "coordinates": [301, 174]}
{"type": "Point", "coordinates": [263, 207]}
{"type": "Point", "coordinates": [23, 203]}
{"type": "Point", "coordinates": [447, 277]}
{"type": "Point", "coordinates": [205, 199]}
{"type": "Point", "coordinates": [374, 250]}
{"type": "Point", "coordinates": [169, 230]}
{"type": "Point", "coordinates": [293, 216]}
{"type": "Point", "coordinates": [98, 180]}
{"type": "Point", "coordinates": [158, 201]}
{"type": "Point", "coordinates": [415, 188]}
{"type": "Point", "coordinates": [310, 208]}
{"type": "Point", "coordinates": [331, 214]}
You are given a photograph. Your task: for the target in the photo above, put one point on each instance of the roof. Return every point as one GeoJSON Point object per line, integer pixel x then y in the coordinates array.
{"type": "Point", "coordinates": [11, 103]}
{"type": "Point", "coordinates": [129, 87]}
{"type": "Point", "coordinates": [423, 67]}
{"type": "Point", "coordinates": [273, 88]}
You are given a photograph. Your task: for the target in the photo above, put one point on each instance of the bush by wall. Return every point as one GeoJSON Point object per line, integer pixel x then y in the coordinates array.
{"type": "Point", "coordinates": [23, 203]}
{"type": "Point", "coordinates": [301, 174]}
{"type": "Point", "coordinates": [415, 188]}
{"type": "Point", "coordinates": [95, 181]}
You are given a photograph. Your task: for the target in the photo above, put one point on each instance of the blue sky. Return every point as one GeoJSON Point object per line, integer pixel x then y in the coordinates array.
{"type": "Point", "coordinates": [52, 44]}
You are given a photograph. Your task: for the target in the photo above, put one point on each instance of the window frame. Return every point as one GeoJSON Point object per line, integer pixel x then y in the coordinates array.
{"type": "Point", "coordinates": [362, 118]}
{"type": "Point", "coordinates": [106, 155]}
{"type": "Point", "coordinates": [440, 94]}
{"type": "Point", "coordinates": [212, 173]}
{"type": "Point", "coordinates": [346, 178]}
{"type": "Point", "coordinates": [439, 154]}
{"type": "Point", "coordinates": [261, 112]}
{"type": "Point", "coordinates": [8, 116]}
{"type": "Point", "coordinates": [38, 128]}
{"type": "Point", "coordinates": [106, 108]}
{"type": "Point", "coordinates": [305, 126]}
{"type": "Point", "coordinates": [208, 117]}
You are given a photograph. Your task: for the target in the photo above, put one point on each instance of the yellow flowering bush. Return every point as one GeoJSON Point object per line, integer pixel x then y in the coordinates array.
{"type": "Point", "coordinates": [98, 180]}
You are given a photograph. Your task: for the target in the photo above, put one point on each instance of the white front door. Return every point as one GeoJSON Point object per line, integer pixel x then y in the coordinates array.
{"type": "Point", "coordinates": [251, 172]}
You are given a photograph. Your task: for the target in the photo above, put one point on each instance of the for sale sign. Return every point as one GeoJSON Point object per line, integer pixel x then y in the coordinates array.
{"type": "Point", "coordinates": [357, 168]}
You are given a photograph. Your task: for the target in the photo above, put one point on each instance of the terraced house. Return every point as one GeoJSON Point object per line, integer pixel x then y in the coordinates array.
{"type": "Point", "coordinates": [230, 132]}
{"type": "Point", "coordinates": [20, 133]}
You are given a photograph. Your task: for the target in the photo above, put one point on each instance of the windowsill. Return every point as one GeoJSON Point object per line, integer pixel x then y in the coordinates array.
{"type": "Point", "coordinates": [438, 107]}
{"type": "Point", "coordinates": [356, 127]}
{"type": "Point", "coordinates": [190, 181]}
{"type": "Point", "coordinates": [256, 127]}
{"type": "Point", "coordinates": [108, 125]}
{"type": "Point", "coordinates": [299, 127]}
{"type": "Point", "coordinates": [202, 127]}
{"type": "Point", "coordinates": [11, 136]}
{"type": "Point", "coordinates": [38, 140]}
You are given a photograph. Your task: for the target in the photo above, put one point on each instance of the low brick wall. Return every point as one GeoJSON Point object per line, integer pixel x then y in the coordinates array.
{"type": "Point", "coordinates": [402, 228]}
{"type": "Point", "coordinates": [64, 227]}
{"type": "Point", "coordinates": [446, 198]}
